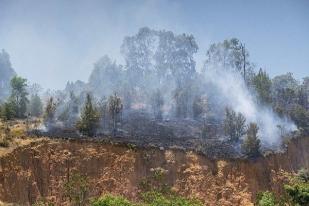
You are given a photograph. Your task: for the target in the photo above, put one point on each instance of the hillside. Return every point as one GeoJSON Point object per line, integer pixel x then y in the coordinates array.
{"type": "Point", "coordinates": [40, 169]}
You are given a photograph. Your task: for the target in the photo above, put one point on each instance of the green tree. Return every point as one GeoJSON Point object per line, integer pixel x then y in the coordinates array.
{"type": "Point", "coordinates": [232, 55]}
{"type": "Point", "coordinates": [266, 199]}
{"type": "Point", "coordinates": [285, 91]}
{"type": "Point", "coordinates": [301, 118]}
{"type": "Point", "coordinates": [109, 200]}
{"type": "Point", "coordinates": [115, 108]}
{"type": "Point", "coordinates": [251, 144]}
{"type": "Point", "coordinates": [234, 125]}
{"type": "Point", "coordinates": [89, 121]}
{"type": "Point", "coordinates": [154, 198]}
{"type": "Point", "coordinates": [19, 95]}
{"type": "Point", "coordinates": [7, 111]}
{"type": "Point", "coordinates": [262, 85]}
{"type": "Point", "coordinates": [35, 106]}
{"type": "Point", "coordinates": [76, 189]}
{"type": "Point", "coordinates": [298, 189]}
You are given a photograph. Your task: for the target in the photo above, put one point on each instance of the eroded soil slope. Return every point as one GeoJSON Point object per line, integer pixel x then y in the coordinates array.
{"type": "Point", "coordinates": [41, 168]}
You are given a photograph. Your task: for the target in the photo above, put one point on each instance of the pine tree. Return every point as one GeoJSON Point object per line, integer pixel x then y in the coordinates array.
{"type": "Point", "coordinates": [234, 125]}
{"type": "Point", "coordinates": [90, 117]}
{"type": "Point", "coordinates": [262, 84]}
{"type": "Point", "coordinates": [251, 145]}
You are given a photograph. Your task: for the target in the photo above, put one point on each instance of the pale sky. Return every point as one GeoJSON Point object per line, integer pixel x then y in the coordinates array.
{"type": "Point", "coordinates": [54, 41]}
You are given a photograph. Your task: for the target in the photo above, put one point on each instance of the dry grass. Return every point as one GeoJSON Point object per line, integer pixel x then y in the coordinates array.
{"type": "Point", "coordinates": [13, 134]}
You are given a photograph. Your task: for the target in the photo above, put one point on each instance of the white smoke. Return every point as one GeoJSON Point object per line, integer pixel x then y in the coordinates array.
{"type": "Point", "coordinates": [232, 92]}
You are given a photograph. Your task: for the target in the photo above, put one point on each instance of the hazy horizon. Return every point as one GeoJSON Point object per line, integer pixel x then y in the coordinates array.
{"type": "Point", "coordinates": [52, 42]}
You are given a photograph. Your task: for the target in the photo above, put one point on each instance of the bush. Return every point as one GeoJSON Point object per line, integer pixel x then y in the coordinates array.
{"type": "Point", "coordinates": [4, 142]}
{"type": "Point", "coordinates": [298, 188]}
{"type": "Point", "coordinates": [154, 198]}
{"type": "Point", "coordinates": [110, 200]}
{"type": "Point", "coordinates": [7, 111]}
{"type": "Point", "coordinates": [76, 189]}
{"type": "Point", "coordinates": [266, 199]}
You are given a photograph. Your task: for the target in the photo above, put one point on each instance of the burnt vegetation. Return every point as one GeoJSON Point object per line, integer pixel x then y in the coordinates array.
{"type": "Point", "coordinates": [159, 97]}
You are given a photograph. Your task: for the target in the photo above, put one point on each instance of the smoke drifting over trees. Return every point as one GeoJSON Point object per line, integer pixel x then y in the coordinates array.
{"type": "Point", "coordinates": [159, 89]}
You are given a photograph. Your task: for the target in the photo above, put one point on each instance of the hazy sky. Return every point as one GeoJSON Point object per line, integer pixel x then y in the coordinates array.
{"type": "Point", "coordinates": [51, 42]}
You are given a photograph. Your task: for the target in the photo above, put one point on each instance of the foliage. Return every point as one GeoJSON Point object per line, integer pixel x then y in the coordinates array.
{"type": "Point", "coordinates": [7, 72]}
{"type": "Point", "coordinates": [7, 111]}
{"type": "Point", "coordinates": [76, 189]}
{"type": "Point", "coordinates": [303, 175]}
{"type": "Point", "coordinates": [151, 198]}
{"type": "Point", "coordinates": [298, 188]}
{"type": "Point", "coordinates": [18, 97]}
{"type": "Point", "coordinates": [106, 77]}
{"type": "Point", "coordinates": [301, 118]}
{"type": "Point", "coordinates": [49, 113]}
{"type": "Point", "coordinates": [90, 117]}
{"type": "Point", "coordinates": [266, 199]}
{"type": "Point", "coordinates": [154, 198]}
{"type": "Point", "coordinates": [109, 200]}
{"type": "Point", "coordinates": [284, 93]}
{"type": "Point", "coordinates": [115, 107]}
{"type": "Point", "coordinates": [182, 97]}
{"type": "Point", "coordinates": [70, 113]}
{"type": "Point", "coordinates": [199, 107]}
{"type": "Point", "coordinates": [35, 106]}
{"type": "Point", "coordinates": [234, 125]}
{"type": "Point", "coordinates": [230, 54]}
{"type": "Point", "coordinates": [262, 85]}
{"type": "Point", "coordinates": [42, 202]}
{"type": "Point", "coordinates": [251, 144]}
{"type": "Point", "coordinates": [157, 103]}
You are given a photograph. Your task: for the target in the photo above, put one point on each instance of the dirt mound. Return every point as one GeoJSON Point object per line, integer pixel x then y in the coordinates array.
{"type": "Point", "coordinates": [41, 168]}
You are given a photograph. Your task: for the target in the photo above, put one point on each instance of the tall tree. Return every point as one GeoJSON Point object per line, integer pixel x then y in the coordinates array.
{"type": "Point", "coordinates": [7, 73]}
{"type": "Point", "coordinates": [70, 111]}
{"type": "Point", "coordinates": [234, 125]}
{"type": "Point", "coordinates": [251, 144]}
{"type": "Point", "coordinates": [115, 107]}
{"type": "Point", "coordinates": [285, 93]}
{"type": "Point", "coordinates": [35, 106]}
{"type": "Point", "coordinates": [157, 103]}
{"type": "Point", "coordinates": [262, 85]}
{"type": "Point", "coordinates": [49, 113]}
{"type": "Point", "coordinates": [19, 95]}
{"type": "Point", "coordinates": [106, 77]}
{"type": "Point", "coordinates": [232, 55]}
{"type": "Point", "coordinates": [89, 121]}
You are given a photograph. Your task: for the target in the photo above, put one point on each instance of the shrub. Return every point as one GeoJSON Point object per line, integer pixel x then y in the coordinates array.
{"type": "Point", "coordinates": [109, 200]}
{"type": "Point", "coordinates": [266, 199]}
{"type": "Point", "coordinates": [298, 188]}
{"type": "Point", "coordinates": [76, 189]}
{"type": "Point", "coordinates": [4, 142]}
{"type": "Point", "coordinates": [154, 198]}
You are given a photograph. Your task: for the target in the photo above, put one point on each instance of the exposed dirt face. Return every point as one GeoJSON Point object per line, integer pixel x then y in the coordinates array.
{"type": "Point", "coordinates": [41, 169]}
